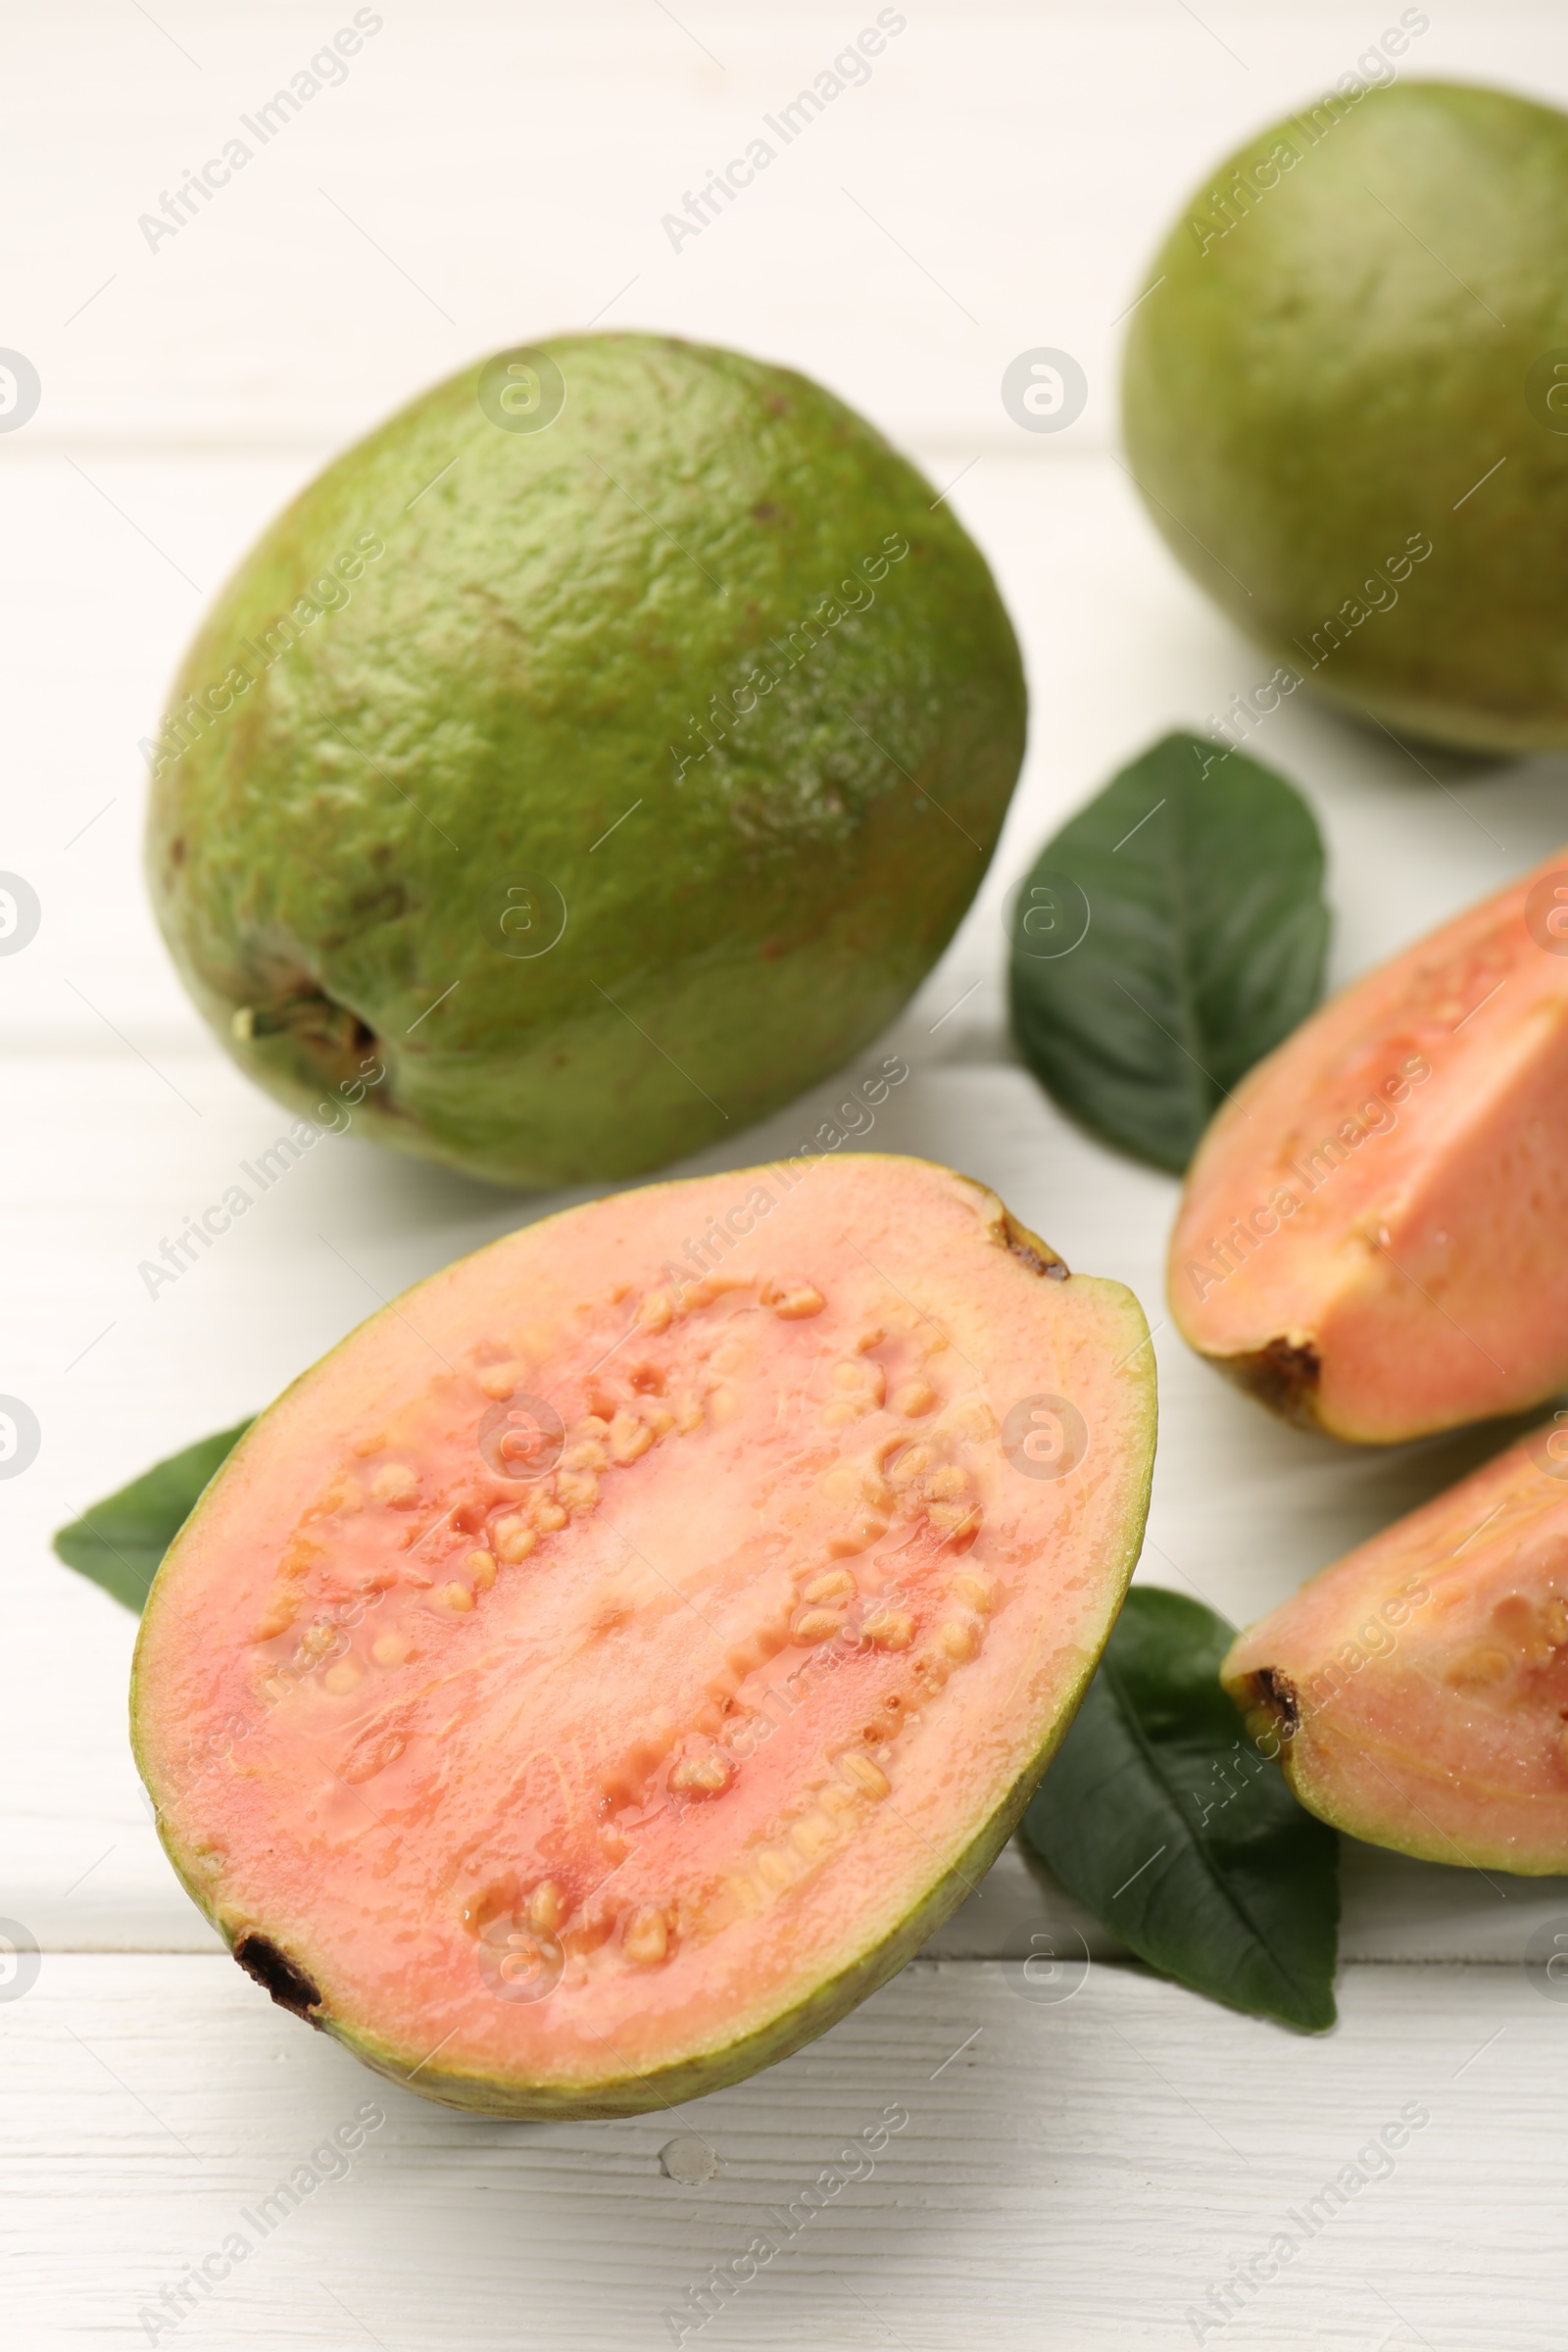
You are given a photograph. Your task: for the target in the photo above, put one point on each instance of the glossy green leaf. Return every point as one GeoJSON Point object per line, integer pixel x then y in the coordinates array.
{"type": "Point", "coordinates": [1162, 1815]}
{"type": "Point", "coordinates": [1170, 935]}
{"type": "Point", "coordinates": [119, 1542]}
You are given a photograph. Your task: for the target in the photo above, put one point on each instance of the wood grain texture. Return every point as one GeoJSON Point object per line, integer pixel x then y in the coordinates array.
{"type": "Point", "coordinates": [1072, 2176]}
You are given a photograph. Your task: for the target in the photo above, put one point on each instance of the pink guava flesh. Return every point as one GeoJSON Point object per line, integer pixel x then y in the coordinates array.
{"type": "Point", "coordinates": [1417, 1690]}
{"type": "Point", "coordinates": [1374, 1234]}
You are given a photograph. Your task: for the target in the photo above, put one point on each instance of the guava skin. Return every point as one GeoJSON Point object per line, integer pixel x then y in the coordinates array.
{"type": "Point", "coordinates": [1338, 349]}
{"type": "Point", "coordinates": [551, 645]}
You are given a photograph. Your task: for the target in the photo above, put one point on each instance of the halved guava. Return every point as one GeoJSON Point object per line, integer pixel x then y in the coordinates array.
{"type": "Point", "coordinates": [1417, 1690]}
{"type": "Point", "coordinates": [613, 1660]}
{"type": "Point", "coordinates": [1374, 1235]}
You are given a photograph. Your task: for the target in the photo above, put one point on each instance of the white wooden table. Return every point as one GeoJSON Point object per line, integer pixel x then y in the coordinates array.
{"type": "Point", "coordinates": [1074, 2174]}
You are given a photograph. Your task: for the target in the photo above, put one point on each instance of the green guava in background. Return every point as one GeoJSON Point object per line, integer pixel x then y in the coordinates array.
{"type": "Point", "coordinates": [605, 747]}
{"type": "Point", "coordinates": [1356, 344]}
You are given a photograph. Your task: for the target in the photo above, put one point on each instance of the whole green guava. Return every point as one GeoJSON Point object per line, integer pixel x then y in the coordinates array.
{"type": "Point", "coordinates": [604, 750]}
{"type": "Point", "coordinates": [1346, 403]}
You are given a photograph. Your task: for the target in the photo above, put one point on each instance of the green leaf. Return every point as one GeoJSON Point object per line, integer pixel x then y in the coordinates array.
{"type": "Point", "coordinates": [1162, 1815]}
{"type": "Point", "coordinates": [121, 1540]}
{"type": "Point", "coordinates": [1172, 933]}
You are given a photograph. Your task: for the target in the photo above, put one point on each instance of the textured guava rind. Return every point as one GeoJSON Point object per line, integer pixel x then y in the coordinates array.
{"type": "Point", "coordinates": [557, 622]}
{"type": "Point", "coordinates": [1325, 370]}
{"type": "Point", "coordinates": [826, 2003]}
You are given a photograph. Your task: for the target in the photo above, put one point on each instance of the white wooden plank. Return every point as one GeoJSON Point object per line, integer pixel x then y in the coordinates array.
{"type": "Point", "coordinates": [1072, 2176]}
{"type": "Point", "coordinates": [513, 165]}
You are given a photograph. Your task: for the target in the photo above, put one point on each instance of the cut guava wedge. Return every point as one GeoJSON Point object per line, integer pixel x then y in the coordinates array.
{"type": "Point", "coordinates": [616, 1658]}
{"type": "Point", "coordinates": [1374, 1234]}
{"type": "Point", "coordinates": [1416, 1692]}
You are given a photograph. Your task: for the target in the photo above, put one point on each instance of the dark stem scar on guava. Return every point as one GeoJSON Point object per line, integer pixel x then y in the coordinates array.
{"type": "Point", "coordinates": [310, 1015]}
{"type": "Point", "coordinates": [1038, 1255]}
{"type": "Point", "coordinates": [313, 1037]}
{"type": "Point", "coordinates": [1284, 1376]}
{"type": "Point", "coordinates": [1276, 1694]}
{"type": "Point", "coordinates": [287, 1982]}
